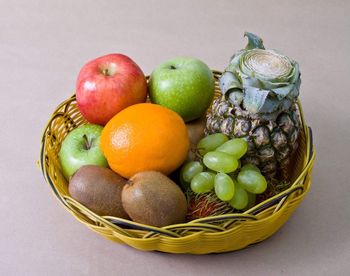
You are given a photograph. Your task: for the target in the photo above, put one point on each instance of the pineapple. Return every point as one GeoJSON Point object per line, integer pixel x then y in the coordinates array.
{"type": "Point", "coordinates": [258, 102]}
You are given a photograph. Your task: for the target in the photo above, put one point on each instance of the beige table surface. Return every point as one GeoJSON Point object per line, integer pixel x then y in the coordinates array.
{"type": "Point", "coordinates": [43, 44]}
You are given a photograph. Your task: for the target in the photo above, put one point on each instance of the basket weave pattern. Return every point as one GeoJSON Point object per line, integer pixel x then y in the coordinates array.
{"type": "Point", "coordinates": [207, 235]}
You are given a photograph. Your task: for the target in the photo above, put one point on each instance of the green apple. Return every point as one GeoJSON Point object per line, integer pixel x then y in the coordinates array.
{"type": "Point", "coordinates": [81, 147]}
{"type": "Point", "coordinates": [184, 85]}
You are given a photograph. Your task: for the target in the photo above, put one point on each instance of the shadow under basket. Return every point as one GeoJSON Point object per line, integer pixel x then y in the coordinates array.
{"type": "Point", "coordinates": [214, 234]}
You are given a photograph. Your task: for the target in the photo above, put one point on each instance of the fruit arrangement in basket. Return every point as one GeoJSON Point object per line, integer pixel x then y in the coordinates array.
{"type": "Point", "coordinates": [163, 162]}
{"type": "Point", "coordinates": [167, 150]}
{"type": "Point", "coordinates": [185, 144]}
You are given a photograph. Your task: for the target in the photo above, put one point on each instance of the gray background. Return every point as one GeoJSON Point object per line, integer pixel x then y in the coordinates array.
{"type": "Point", "coordinates": [43, 44]}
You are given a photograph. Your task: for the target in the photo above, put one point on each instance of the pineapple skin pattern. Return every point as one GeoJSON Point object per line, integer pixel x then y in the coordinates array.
{"type": "Point", "coordinates": [258, 103]}
{"type": "Point", "coordinates": [270, 142]}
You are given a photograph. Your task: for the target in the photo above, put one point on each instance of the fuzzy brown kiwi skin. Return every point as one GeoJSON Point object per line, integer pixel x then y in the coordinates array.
{"type": "Point", "coordinates": [154, 199]}
{"type": "Point", "coordinates": [99, 189]}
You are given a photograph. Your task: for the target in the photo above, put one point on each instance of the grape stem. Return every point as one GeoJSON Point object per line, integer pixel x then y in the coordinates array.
{"type": "Point", "coordinates": [197, 154]}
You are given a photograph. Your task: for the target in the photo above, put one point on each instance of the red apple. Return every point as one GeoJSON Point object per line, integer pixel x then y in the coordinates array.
{"type": "Point", "coordinates": [108, 84]}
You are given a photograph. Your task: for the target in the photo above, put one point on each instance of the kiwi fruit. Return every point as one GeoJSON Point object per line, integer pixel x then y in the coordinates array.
{"type": "Point", "coordinates": [152, 198]}
{"type": "Point", "coordinates": [195, 133]}
{"type": "Point", "coordinates": [99, 189]}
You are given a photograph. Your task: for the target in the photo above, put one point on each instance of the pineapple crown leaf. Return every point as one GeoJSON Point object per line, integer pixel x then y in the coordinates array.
{"type": "Point", "coordinates": [254, 99]}
{"type": "Point", "coordinates": [266, 80]}
{"type": "Point", "coordinates": [253, 41]}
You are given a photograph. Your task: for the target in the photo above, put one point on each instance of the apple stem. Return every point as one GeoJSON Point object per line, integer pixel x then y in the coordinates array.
{"type": "Point", "coordinates": [172, 67]}
{"type": "Point", "coordinates": [88, 143]}
{"type": "Point", "coordinates": [105, 72]}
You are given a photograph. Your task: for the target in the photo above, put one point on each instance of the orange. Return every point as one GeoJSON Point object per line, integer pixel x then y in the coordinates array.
{"type": "Point", "coordinates": [145, 137]}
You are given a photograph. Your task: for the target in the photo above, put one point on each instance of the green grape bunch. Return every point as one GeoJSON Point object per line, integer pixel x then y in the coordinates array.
{"type": "Point", "coordinates": [219, 169]}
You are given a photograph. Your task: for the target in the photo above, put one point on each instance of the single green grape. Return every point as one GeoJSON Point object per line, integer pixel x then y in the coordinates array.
{"type": "Point", "coordinates": [224, 187]}
{"type": "Point", "coordinates": [253, 181]}
{"type": "Point", "coordinates": [240, 198]}
{"type": "Point", "coordinates": [202, 182]}
{"type": "Point", "coordinates": [251, 167]}
{"type": "Point", "coordinates": [211, 142]}
{"type": "Point", "coordinates": [190, 169]}
{"type": "Point", "coordinates": [236, 147]}
{"type": "Point", "coordinates": [220, 162]}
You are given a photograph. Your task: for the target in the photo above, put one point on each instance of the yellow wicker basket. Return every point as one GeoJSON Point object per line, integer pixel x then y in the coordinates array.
{"type": "Point", "coordinates": [208, 235]}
